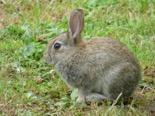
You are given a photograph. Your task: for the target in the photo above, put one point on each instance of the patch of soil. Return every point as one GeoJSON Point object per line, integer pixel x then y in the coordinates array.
{"type": "Point", "coordinates": [151, 108]}
{"type": "Point", "coordinates": [149, 71]}
{"type": "Point", "coordinates": [2, 17]}
{"type": "Point", "coordinates": [7, 109]}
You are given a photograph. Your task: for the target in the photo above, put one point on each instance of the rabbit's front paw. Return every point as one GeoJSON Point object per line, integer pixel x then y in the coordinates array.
{"type": "Point", "coordinates": [80, 102]}
{"type": "Point", "coordinates": [80, 99]}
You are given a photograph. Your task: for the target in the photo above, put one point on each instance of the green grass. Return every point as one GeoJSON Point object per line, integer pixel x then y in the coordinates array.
{"type": "Point", "coordinates": [30, 87]}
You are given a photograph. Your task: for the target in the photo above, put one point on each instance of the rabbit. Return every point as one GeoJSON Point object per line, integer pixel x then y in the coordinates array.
{"type": "Point", "coordinates": [100, 68]}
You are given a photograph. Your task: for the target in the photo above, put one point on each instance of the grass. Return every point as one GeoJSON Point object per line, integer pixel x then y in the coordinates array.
{"type": "Point", "coordinates": [30, 87]}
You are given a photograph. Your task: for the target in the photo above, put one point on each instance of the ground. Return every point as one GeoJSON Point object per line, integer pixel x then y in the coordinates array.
{"type": "Point", "coordinates": [28, 86]}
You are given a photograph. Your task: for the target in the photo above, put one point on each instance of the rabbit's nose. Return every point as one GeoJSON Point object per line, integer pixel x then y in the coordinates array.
{"type": "Point", "coordinates": [47, 59]}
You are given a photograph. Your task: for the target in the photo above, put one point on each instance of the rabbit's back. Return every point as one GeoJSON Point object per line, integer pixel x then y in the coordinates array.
{"type": "Point", "coordinates": [111, 47]}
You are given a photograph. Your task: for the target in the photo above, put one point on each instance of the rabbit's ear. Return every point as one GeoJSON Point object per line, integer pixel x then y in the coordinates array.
{"type": "Point", "coordinates": [76, 24]}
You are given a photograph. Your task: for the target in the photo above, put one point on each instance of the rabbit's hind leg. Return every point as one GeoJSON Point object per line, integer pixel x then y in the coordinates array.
{"type": "Point", "coordinates": [95, 97]}
{"type": "Point", "coordinates": [86, 96]}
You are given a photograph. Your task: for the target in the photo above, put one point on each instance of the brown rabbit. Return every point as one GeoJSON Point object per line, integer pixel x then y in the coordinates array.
{"type": "Point", "coordinates": [101, 68]}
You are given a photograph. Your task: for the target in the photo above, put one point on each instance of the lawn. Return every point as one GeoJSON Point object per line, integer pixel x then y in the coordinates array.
{"type": "Point", "coordinates": [28, 86]}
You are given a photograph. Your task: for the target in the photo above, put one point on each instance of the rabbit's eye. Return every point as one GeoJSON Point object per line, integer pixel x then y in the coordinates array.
{"type": "Point", "coordinates": [57, 46]}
